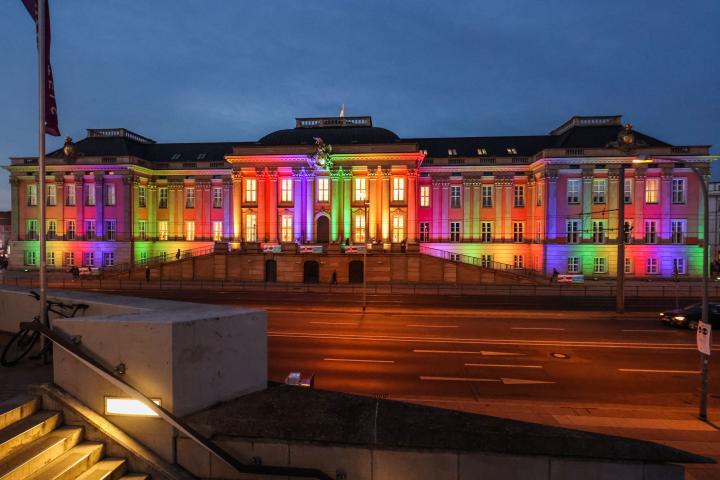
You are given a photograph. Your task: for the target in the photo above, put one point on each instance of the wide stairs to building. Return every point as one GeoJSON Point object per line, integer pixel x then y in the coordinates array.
{"type": "Point", "coordinates": [35, 444]}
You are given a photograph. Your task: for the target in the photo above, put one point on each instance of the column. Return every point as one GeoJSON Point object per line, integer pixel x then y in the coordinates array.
{"type": "Point", "coordinates": [551, 208]}
{"type": "Point", "coordinates": [499, 198]}
{"type": "Point", "coordinates": [346, 205]}
{"type": "Point", "coordinates": [336, 199]}
{"type": "Point", "coordinates": [587, 177]}
{"type": "Point", "coordinates": [309, 206]}
{"type": "Point", "coordinates": [412, 205]}
{"type": "Point", "coordinates": [261, 205]}
{"type": "Point", "coordinates": [60, 204]}
{"type": "Point", "coordinates": [272, 205]}
{"type": "Point", "coordinates": [638, 233]}
{"type": "Point", "coordinates": [476, 208]}
{"type": "Point", "coordinates": [665, 199]}
{"type": "Point", "coordinates": [531, 205]}
{"type": "Point", "coordinates": [172, 209]}
{"type": "Point", "coordinates": [614, 204]}
{"type": "Point", "coordinates": [237, 205]}
{"type": "Point", "coordinates": [227, 204]}
{"type": "Point", "coordinates": [508, 210]}
{"type": "Point", "coordinates": [79, 205]}
{"type": "Point", "coordinates": [467, 206]}
{"type": "Point", "coordinates": [152, 204]}
{"type": "Point", "coordinates": [298, 206]}
{"type": "Point", "coordinates": [373, 199]}
{"type": "Point", "coordinates": [385, 204]}
{"type": "Point", "coordinates": [436, 205]}
{"type": "Point", "coordinates": [15, 208]}
{"type": "Point", "coordinates": [99, 205]}
{"type": "Point", "coordinates": [130, 208]}
{"type": "Point", "coordinates": [444, 215]}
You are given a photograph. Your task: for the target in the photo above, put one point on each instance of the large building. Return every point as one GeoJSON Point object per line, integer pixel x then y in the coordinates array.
{"type": "Point", "coordinates": [538, 202]}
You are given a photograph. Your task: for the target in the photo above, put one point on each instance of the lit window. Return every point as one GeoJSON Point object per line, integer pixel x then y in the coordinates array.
{"type": "Point", "coordinates": [628, 265]}
{"type": "Point", "coordinates": [486, 231]}
{"type": "Point", "coordinates": [651, 266]}
{"type": "Point", "coordinates": [143, 257]}
{"type": "Point", "coordinates": [70, 229]}
{"type": "Point", "coordinates": [628, 190]}
{"type": "Point", "coordinates": [519, 196]}
{"type": "Point", "coordinates": [487, 196]}
{"type": "Point", "coordinates": [31, 194]}
{"type": "Point", "coordinates": [454, 196]}
{"type": "Point", "coordinates": [108, 259]}
{"type": "Point", "coordinates": [217, 193]}
{"type": "Point", "coordinates": [398, 228]}
{"type": "Point", "coordinates": [89, 229]}
{"type": "Point", "coordinates": [217, 231]}
{"type": "Point", "coordinates": [452, 152]}
{"type": "Point", "coordinates": [573, 231]}
{"type": "Point", "coordinates": [90, 195]}
{"type": "Point", "coordinates": [598, 231]}
{"type": "Point", "coordinates": [454, 231]}
{"type": "Point", "coordinates": [360, 189]}
{"type": "Point", "coordinates": [110, 229]}
{"type": "Point", "coordinates": [30, 258]}
{"type": "Point", "coordinates": [424, 196]}
{"type": "Point", "coordinates": [70, 195]}
{"type": "Point", "coordinates": [89, 259]}
{"type": "Point", "coordinates": [162, 197]}
{"type": "Point", "coordinates": [679, 266]}
{"type": "Point", "coordinates": [286, 228]}
{"type": "Point", "coordinates": [69, 259]}
{"type": "Point", "coordinates": [109, 194]}
{"type": "Point", "coordinates": [677, 231]}
{"type": "Point", "coordinates": [51, 195]}
{"type": "Point", "coordinates": [190, 230]}
{"type": "Point", "coordinates": [398, 189]}
{"type": "Point", "coordinates": [251, 190]}
{"type": "Point", "coordinates": [189, 197]}
{"type": "Point", "coordinates": [518, 228]}
{"type": "Point", "coordinates": [486, 261]}
{"type": "Point", "coordinates": [573, 265]}
{"type": "Point", "coordinates": [51, 229]}
{"type": "Point", "coordinates": [286, 190]}
{"type": "Point", "coordinates": [600, 265]}
{"type": "Point", "coordinates": [651, 190]}
{"type": "Point", "coordinates": [678, 190]}
{"type": "Point", "coordinates": [323, 187]}
{"type": "Point", "coordinates": [142, 198]}
{"type": "Point", "coordinates": [31, 229]}
{"type": "Point", "coordinates": [573, 190]}
{"type": "Point", "coordinates": [481, 151]}
{"type": "Point", "coordinates": [424, 231]}
{"type": "Point", "coordinates": [599, 190]}
{"type": "Point", "coordinates": [518, 262]}
{"type": "Point", "coordinates": [162, 229]}
{"type": "Point", "coordinates": [650, 231]}
{"type": "Point", "coordinates": [360, 228]}
{"type": "Point", "coordinates": [512, 150]}
{"type": "Point", "coordinates": [250, 227]}
{"type": "Point", "coordinates": [50, 258]}
{"type": "Point", "coordinates": [142, 230]}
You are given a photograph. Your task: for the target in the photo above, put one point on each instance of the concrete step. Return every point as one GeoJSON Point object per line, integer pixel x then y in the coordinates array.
{"type": "Point", "coordinates": [27, 431]}
{"type": "Point", "coordinates": [25, 460]}
{"type": "Point", "coordinates": [107, 469]}
{"type": "Point", "coordinates": [17, 408]}
{"type": "Point", "coordinates": [135, 476]}
{"type": "Point", "coordinates": [71, 464]}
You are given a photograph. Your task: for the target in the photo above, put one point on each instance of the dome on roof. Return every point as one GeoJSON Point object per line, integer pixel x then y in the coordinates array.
{"type": "Point", "coordinates": [337, 136]}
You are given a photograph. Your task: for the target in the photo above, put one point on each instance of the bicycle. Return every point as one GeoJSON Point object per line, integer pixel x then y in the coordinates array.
{"type": "Point", "coordinates": [23, 341]}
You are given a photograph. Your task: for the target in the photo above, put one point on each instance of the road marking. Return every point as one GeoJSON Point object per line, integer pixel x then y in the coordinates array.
{"type": "Point", "coordinates": [434, 326]}
{"type": "Point", "coordinates": [478, 352]}
{"type": "Point", "coordinates": [661, 331]}
{"type": "Point", "coordinates": [336, 323]}
{"type": "Point", "coordinates": [357, 360]}
{"type": "Point", "coordinates": [537, 328]}
{"type": "Point", "coordinates": [459, 379]}
{"type": "Point", "coordinates": [521, 381]}
{"type": "Point", "coordinates": [500, 365]}
{"type": "Point", "coordinates": [640, 370]}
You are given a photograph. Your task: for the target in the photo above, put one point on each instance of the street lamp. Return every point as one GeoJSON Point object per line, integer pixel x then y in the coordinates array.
{"type": "Point", "coordinates": [366, 204]}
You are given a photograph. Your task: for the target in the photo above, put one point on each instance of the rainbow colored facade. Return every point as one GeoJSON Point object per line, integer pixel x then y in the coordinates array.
{"type": "Point", "coordinates": [544, 202]}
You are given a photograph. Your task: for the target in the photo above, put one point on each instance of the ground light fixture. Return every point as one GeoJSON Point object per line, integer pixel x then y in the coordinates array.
{"type": "Point", "coordinates": [129, 407]}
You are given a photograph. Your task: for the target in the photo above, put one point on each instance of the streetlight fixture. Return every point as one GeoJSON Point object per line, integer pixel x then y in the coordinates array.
{"type": "Point", "coordinates": [366, 204]}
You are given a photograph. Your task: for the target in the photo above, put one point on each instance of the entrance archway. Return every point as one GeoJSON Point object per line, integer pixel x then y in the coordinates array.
{"type": "Point", "coordinates": [355, 271]}
{"type": "Point", "coordinates": [311, 272]}
{"type": "Point", "coordinates": [270, 271]}
{"type": "Point", "coordinates": [322, 227]}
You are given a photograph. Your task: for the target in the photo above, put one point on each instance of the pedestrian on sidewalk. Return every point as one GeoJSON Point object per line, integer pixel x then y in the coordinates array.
{"type": "Point", "coordinates": [147, 274]}
{"type": "Point", "coordinates": [554, 277]}
{"type": "Point", "coordinates": [334, 278]}
{"type": "Point", "coordinates": [177, 255]}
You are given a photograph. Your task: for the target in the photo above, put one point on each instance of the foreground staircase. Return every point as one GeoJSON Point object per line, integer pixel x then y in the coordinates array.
{"type": "Point", "coordinates": [36, 445]}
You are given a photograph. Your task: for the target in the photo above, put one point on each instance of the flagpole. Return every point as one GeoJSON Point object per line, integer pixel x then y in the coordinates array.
{"type": "Point", "coordinates": [42, 84]}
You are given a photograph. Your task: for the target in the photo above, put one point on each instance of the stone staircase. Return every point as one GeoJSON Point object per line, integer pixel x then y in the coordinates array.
{"type": "Point", "coordinates": [36, 445]}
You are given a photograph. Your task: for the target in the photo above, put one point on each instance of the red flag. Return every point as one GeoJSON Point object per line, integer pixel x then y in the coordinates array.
{"type": "Point", "coordinates": [51, 117]}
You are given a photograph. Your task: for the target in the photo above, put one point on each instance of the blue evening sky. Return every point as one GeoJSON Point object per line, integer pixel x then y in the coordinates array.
{"type": "Point", "coordinates": [221, 70]}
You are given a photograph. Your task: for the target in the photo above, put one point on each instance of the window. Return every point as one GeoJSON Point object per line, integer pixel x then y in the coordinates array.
{"type": "Point", "coordinates": [70, 229]}
{"type": "Point", "coordinates": [651, 266]}
{"type": "Point", "coordinates": [110, 233]}
{"type": "Point", "coordinates": [89, 229]}
{"type": "Point", "coordinates": [398, 228]}
{"type": "Point", "coordinates": [175, 157]}
{"type": "Point", "coordinates": [162, 226]}
{"type": "Point", "coordinates": [142, 196]}
{"type": "Point", "coordinates": [89, 259]}
{"type": "Point", "coordinates": [217, 231]}
{"type": "Point", "coordinates": [323, 187]}
{"type": "Point", "coordinates": [454, 257]}
{"type": "Point", "coordinates": [50, 258]}
{"type": "Point", "coordinates": [599, 186]}
{"type": "Point", "coordinates": [69, 259]}
{"type": "Point", "coordinates": [143, 257]}
{"type": "Point", "coordinates": [627, 231]}
{"type": "Point", "coordinates": [190, 230]}
{"type": "Point", "coordinates": [481, 151]}
{"type": "Point", "coordinates": [628, 190]}
{"type": "Point", "coordinates": [286, 228]}
{"type": "Point", "coordinates": [201, 156]}
{"type": "Point", "coordinates": [518, 228]}
{"type": "Point", "coordinates": [31, 194]}
{"type": "Point", "coordinates": [398, 189]}
{"type": "Point", "coordinates": [110, 194]}
{"type": "Point", "coordinates": [251, 190]}
{"type": "Point", "coordinates": [108, 259]}
{"type": "Point", "coordinates": [519, 196]}
{"type": "Point", "coordinates": [189, 197]}
{"type": "Point", "coordinates": [487, 196]}
{"type": "Point", "coordinates": [51, 229]}
{"type": "Point", "coordinates": [573, 265]}
{"type": "Point", "coordinates": [512, 150]}
{"type": "Point", "coordinates": [70, 195]}
{"type": "Point", "coordinates": [217, 193]}
{"type": "Point", "coordinates": [677, 230]}
{"type": "Point", "coordinates": [651, 190]}
{"type": "Point", "coordinates": [486, 231]}
{"type": "Point", "coordinates": [454, 196]}
{"type": "Point", "coordinates": [518, 262]}
{"type": "Point", "coordinates": [424, 231]}
{"type": "Point", "coordinates": [628, 265]}
{"type": "Point", "coordinates": [600, 265]}
{"type": "Point", "coordinates": [162, 197]}
{"type": "Point", "coordinates": [250, 227]}
{"type": "Point", "coordinates": [679, 266]}
{"type": "Point", "coordinates": [598, 231]}
{"type": "Point", "coordinates": [678, 190]}
{"type": "Point", "coordinates": [51, 195]}
{"type": "Point", "coordinates": [539, 195]}
{"type": "Point", "coordinates": [452, 152]}
{"type": "Point", "coordinates": [424, 196]}
{"type": "Point", "coordinates": [360, 228]}
{"type": "Point", "coordinates": [286, 190]}
{"type": "Point", "coordinates": [486, 261]}
{"type": "Point", "coordinates": [573, 190]}
{"type": "Point", "coordinates": [360, 189]}
{"type": "Point", "coordinates": [573, 231]}
{"type": "Point", "coordinates": [142, 230]}
{"type": "Point", "coordinates": [650, 231]}
{"type": "Point", "coordinates": [424, 151]}
{"type": "Point", "coordinates": [31, 229]}
{"type": "Point", "coordinates": [30, 258]}
{"type": "Point", "coordinates": [454, 231]}
{"type": "Point", "coordinates": [90, 195]}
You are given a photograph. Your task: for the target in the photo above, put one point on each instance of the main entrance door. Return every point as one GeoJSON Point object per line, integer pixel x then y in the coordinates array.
{"type": "Point", "coordinates": [311, 272]}
{"type": "Point", "coordinates": [323, 229]}
{"type": "Point", "coordinates": [270, 271]}
{"type": "Point", "coordinates": [355, 271]}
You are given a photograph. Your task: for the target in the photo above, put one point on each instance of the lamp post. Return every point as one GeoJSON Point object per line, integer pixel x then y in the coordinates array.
{"type": "Point", "coordinates": [366, 204]}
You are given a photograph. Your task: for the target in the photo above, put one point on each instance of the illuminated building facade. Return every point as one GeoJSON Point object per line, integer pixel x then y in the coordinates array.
{"type": "Point", "coordinates": [538, 202]}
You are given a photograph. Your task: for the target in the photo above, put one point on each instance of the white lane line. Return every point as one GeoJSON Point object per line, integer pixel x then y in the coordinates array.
{"type": "Point", "coordinates": [641, 370]}
{"type": "Point", "coordinates": [434, 326]}
{"type": "Point", "coordinates": [477, 352]}
{"type": "Point", "coordinates": [522, 381]}
{"type": "Point", "coordinates": [459, 379]}
{"type": "Point", "coordinates": [335, 323]}
{"type": "Point", "coordinates": [661, 331]}
{"type": "Point", "coordinates": [537, 328]}
{"type": "Point", "coordinates": [501, 365]}
{"type": "Point", "coordinates": [356, 360]}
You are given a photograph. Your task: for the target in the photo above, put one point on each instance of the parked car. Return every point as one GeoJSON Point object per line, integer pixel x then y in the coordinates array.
{"type": "Point", "coordinates": [689, 316]}
{"type": "Point", "coordinates": [296, 379]}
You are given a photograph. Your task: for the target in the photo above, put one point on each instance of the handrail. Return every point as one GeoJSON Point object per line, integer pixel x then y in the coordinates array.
{"type": "Point", "coordinates": [158, 259]}
{"type": "Point", "coordinates": [95, 365]}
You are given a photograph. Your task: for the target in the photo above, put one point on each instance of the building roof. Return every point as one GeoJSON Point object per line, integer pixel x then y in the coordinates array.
{"type": "Point", "coordinates": [331, 135]}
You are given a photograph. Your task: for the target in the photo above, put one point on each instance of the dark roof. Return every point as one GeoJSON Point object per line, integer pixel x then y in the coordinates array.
{"type": "Point", "coordinates": [338, 136]}
{"type": "Point", "coordinates": [495, 146]}
{"type": "Point", "coordinates": [599, 136]}
{"type": "Point", "coordinates": [296, 414]}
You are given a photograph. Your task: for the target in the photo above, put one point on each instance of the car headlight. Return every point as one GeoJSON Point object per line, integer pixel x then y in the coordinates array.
{"type": "Point", "coordinates": [679, 318]}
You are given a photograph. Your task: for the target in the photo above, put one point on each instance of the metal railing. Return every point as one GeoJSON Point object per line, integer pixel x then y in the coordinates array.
{"type": "Point", "coordinates": [90, 361]}
{"type": "Point", "coordinates": [158, 259]}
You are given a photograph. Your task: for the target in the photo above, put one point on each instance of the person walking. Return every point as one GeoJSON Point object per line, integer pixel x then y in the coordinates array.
{"type": "Point", "coordinates": [177, 255]}
{"type": "Point", "coordinates": [334, 278]}
{"type": "Point", "coordinates": [147, 274]}
{"type": "Point", "coordinates": [554, 277]}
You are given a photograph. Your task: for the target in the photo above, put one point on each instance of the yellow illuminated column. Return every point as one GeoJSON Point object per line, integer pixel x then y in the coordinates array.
{"type": "Point", "coordinates": [507, 213]}
{"type": "Point", "coordinates": [385, 204]}
{"type": "Point", "coordinates": [498, 190]}
{"type": "Point", "coordinates": [372, 198]}
{"type": "Point", "coordinates": [237, 205]}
